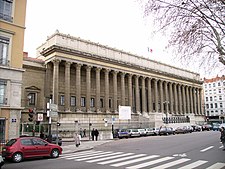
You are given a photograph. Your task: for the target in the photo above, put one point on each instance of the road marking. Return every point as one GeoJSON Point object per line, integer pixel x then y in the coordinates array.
{"type": "Point", "coordinates": [180, 155]}
{"type": "Point", "coordinates": [99, 156]}
{"type": "Point", "coordinates": [172, 163]}
{"type": "Point", "coordinates": [108, 158]}
{"type": "Point", "coordinates": [89, 155]}
{"type": "Point", "coordinates": [121, 159]}
{"type": "Point", "coordinates": [194, 165]}
{"type": "Point", "coordinates": [79, 154]}
{"type": "Point", "coordinates": [208, 148]}
{"type": "Point", "coordinates": [134, 161]}
{"type": "Point", "coordinates": [149, 163]}
{"type": "Point", "coordinates": [221, 147]}
{"type": "Point", "coordinates": [216, 166]}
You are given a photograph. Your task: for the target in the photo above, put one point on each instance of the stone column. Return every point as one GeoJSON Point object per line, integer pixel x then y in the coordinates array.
{"type": "Point", "coordinates": [149, 95]}
{"type": "Point", "coordinates": [161, 96]}
{"type": "Point", "coordinates": [106, 90]}
{"type": "Point", "coordinates": [130, 91]}
{"type": "Point", "coordinates": [122, 89]}
{"type": "Point", "coordinates": [143, 93]}
{"type": "Point", "coordinates": [156, 95]}
{"type": "Point", "coordinates": [198, 101]}
{"type": "Point", "coordinates": [55, 81]}
{"type": "Point", "coordinates": [67, 86]}
{"type": "Point", "coordinates": [188, 99]}
{"type": "Point", "coordinates": [200, 98]}
{"type": "Point", "coordinates": [192, 101]}
{"type": "Point", "coordinates": [194, 104]}
{"type": "Point", "coordinates": [180, 99]}
{"type": "Point", "coordinates": [184, 100]}
{"type": "Point", "coordinates": [115, 108]}
{"type": "Point", "coordinates": [137, 94]}
{"type": "Point", "coordinates": [171, 100]}
{"type": "Point", "coordinates": [88, 88]}
{"type": "Point", "coordinates": [78, 87]}
{"type": "Point", "coordinates": [166, 98]}
{"type": "Point", "coordinates": [97, 102]}
{"type": "Point", "coordinates": [175, 98]}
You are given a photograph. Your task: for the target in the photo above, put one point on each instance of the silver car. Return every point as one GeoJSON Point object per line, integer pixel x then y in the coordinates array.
{"type": "Point", "coordinates": [134, 133]}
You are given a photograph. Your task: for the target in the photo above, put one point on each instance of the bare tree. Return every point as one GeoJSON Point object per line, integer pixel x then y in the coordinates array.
{"type": "Point", "coordinates": [197, 27]}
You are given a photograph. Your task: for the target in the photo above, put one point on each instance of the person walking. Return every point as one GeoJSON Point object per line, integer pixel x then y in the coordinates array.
{"type": "Point", "coordinates": [93, 134]}
{"type": "Point", "coordinates": [84, 132]}
{"type": "Point", "coordinates": [222, 137]}
{"type": "Point", "coordinates": [76, 139]}
{"type": "Point", "coordinates": [96, 134]}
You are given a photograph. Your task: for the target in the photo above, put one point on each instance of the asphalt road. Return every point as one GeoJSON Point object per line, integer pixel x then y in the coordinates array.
{"type": "Point", "coordinates": [198, 150]}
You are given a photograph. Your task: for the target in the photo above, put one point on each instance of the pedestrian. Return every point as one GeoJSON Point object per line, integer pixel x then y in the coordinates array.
{"type": "Point", "coordinates": [81, 132]}
{"type": "Point", "coordinates": [76, 139]}
{"type": "Point", "coordinates": [222, 137]}
{"type": "Point", "coordinates": [93, 134]}
{"type": "Point", "coordinates": [84, 132]}
{"type": "Point", "coordinates": [42, 135]}
{"type": "Point", "coordinates": [96, 134]}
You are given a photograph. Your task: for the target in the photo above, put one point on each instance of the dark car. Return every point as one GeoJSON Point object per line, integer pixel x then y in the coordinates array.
{"type": "Point", "coordinates": [21, 148]}
{"type": "Point", "coordinates": [180, 130]}
{"type": "Point", "coordinates": [215, 126]}
{"type": "Point", "coordinates": [166, 131]}
{"type": "Point", "coordinates": [206, 127]}
{"type": "Point", "coordinates": [123, 133]}
{"type": "Point", "coordinates": [54, 139]}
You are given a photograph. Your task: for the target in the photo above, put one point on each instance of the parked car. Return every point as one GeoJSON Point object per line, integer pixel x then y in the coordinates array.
{"type": "Point", "coordinates": [123, 133]}
{"type": "Point", "coordinates": [180, 130]}
{"type": "Point", "coordinates": [215, 126]}
{"type": "Point", "coordinates": [149, 132]}
{"type": "Point", "coordinates": [1, 161]}
{"type": "Point", "coordinates": [142, 132]}
{"type": "Point", "coordinates": [196, 127]}
{"type": "Point", "coordinates": [188, 129]}
{"type": "Point", "coordinates": [166, 131]}
{"type": "Point", "coordinates": [21, 148]}
{"type": "Point", "coordinates": [222, 125]}
{"type": "Point", "coordinates": [206, 127]}
{"type": "Point", "coordinates": [133, 133]}
{"type": "Point", "coordinates": [156, 130]}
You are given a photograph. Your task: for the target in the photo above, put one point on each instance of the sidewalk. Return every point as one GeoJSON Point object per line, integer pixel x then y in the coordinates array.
{"type": "Point", "coordinates": [85, 145]}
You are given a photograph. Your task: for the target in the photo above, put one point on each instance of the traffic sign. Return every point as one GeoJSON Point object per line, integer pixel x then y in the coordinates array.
{"type": "Point", "coordinates": [53, 107]}
{"type": "Point", "coordinates": [40, 117]}
{"type": "Point", "coordinates": [53, 113]}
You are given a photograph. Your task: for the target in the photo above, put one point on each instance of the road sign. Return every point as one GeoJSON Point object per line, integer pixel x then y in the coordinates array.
{"type": "Point", "coordinates": [53, 107]}
{"type": "Point", "coordinates": [40, 117]}
{"type": "Point", "coordinates": [53, 113]}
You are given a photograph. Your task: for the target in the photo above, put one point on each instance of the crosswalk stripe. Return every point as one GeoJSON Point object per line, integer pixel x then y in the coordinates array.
{"type": "Point", "coordinates": [216, 166]}
{"type": "Point", "coordinates": [88, 155]}
{"type": "Point", "coordinates": [194, 165]}
{"type": "Point", "coordinates": [167, 165]}
{"type": "Point", "coordinates": [149, 163]}
{"type": "Point", "coordinates": [208, 148]}
{"type": "Point", "coordinates": [98, 156]}
{"type": "Point", "coordinates": [121, 159]}
{"type": "Point", "coordinates": [79, 154]}
{"type": "Point", "coordinates": [134, 161]}
{"type": "Point", "coordinates": [108, 158]}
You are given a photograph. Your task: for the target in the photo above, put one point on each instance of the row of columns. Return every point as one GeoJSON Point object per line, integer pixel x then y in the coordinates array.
{"type": "Point", "coordinates": [169, 97]}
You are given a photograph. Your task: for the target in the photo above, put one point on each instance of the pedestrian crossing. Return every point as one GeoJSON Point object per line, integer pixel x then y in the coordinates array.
{"type": "Point", "coordinates": [137, 161]}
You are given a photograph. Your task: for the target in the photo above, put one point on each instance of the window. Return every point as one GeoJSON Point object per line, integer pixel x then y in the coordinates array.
{"type": "Point", "coordinates": [4, 46]}
{"type": "Point", "coordinates": [218, 83]}
{"type": "Point", "coordinates": [26, 142]}
{"type": "Point", "coordinates": [6, 10]}
{"type": "Point", "coordinates": [205, 85]}
{"type": "Point", "coordinates": [92, 104]}
{"type": "Point", "coordinates": [31, 98]}
{"type": "Point", "coordinates": [210, 98]}
{"type": "Point", "coordinates": [101, 102]}
{"type": "Point", "coordinates": [206, 99]}
{"type": "Point", "coordinates": [207, 106]}
{"type": "Point", "coordinates": [82, 100]}
{"type": "Point", "coordinates": [2, 92]}
{"type": "Point", "coordinates": [215, 105]}
{"type": "Point", "coordinates": [221, 105]}
{"type": "Point", "coordinates": [38, 142]}
{"type": "Point", "coordinates": [211, 105]}
{"type": "Point", "coordinates": [62, 100]}
{"type": "Point", "coordinates": [209, 85]}
{"type": "Point", "coordinates": [215, 98]}
{"type": "Point", "coordinates": [220, 97]}
{"type": "Point", "coordinates": [219, 90]}
{"type": "Point", "coordinates": [72, 101]}
{"type": "Point", "coordinates": [214, 85]}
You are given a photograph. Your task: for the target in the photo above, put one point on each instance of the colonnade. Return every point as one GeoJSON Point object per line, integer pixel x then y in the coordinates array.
{"type": "Point", "coordinates": [144, 94]}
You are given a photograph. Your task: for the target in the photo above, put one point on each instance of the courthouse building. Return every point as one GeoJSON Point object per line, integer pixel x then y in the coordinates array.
{"type": "Point", "coordinates": [89, 81]}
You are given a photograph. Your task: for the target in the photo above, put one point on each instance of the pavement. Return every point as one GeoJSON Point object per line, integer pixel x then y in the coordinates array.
{"type": "Point", "coordinates": [85, 145]}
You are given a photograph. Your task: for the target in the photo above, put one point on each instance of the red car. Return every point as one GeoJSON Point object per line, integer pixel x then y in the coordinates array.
{"type": "Point", "coordinates": [27, 147]}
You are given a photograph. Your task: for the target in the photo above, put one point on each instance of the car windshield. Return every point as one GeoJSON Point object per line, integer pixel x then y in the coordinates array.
{"type": "Point", "coordinates": [11, 142]}
{"type": "Point", "coordinates": [123, 130]}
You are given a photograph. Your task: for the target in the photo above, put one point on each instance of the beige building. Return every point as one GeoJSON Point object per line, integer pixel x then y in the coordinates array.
{"type": "Point", "coordinates": [12, 26]}
{"type": "Point", "coordinates": [89, 81]}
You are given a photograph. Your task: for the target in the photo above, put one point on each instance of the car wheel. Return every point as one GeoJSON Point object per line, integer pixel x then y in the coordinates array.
{"type": "Point", "coordinates": [17, 157]}
{"type": "Point", "coordinates": [60, 144]}
{"type": "Point", "coordinates": [55, 153]}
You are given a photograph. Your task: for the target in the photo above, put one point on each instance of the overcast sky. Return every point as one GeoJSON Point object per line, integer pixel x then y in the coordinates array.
{"type": "Point", "coordinates": [116, 23]}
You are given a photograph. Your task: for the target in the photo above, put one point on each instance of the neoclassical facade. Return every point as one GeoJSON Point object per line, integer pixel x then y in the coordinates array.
{"type": "Point", "coordinates": [89, 81]}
